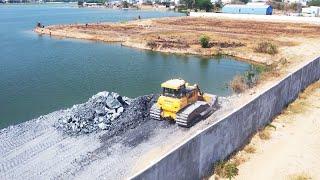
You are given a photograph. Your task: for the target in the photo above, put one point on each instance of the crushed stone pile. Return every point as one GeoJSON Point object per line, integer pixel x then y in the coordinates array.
{"type": "Point", "coordinates": [106, 111]}
{"type": "Point", "coordinates": [134, 115]}
{"type": "Point", "coordinates": [98, 113]}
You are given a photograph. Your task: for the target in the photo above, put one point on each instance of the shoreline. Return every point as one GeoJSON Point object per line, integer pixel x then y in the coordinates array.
{"type": "Point", "coordinates": [137, 46]}
{"type": "Point", "coordinates": [141, 46]}
{"type": "Point", "coordinates": [145, 48]}
{"type": "Point", "coordinates": [180, 35]}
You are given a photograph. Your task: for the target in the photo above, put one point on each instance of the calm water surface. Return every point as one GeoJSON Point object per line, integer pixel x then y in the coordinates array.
{"type": "Point", "coordinates": [39, 74]}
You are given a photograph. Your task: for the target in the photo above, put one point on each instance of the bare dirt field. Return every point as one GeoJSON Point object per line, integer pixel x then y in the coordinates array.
{"type": "Point", "coordinates": [233, 37]}
{"type": "Point", "coordinates": [289, 148]}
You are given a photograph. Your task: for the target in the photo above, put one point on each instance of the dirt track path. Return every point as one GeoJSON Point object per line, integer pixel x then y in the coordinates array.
{"type": "Point", "coordinates": [294, 148]}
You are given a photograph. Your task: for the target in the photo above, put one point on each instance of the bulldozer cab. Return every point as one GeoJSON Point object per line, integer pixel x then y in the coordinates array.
{"type": "Point", "coordinates": [174, 88]}
{"type": "Point", "coordinates": [175, 93]}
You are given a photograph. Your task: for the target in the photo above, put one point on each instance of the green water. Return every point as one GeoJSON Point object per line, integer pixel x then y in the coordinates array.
{"type": "Point", "coordinates": [39, 74]}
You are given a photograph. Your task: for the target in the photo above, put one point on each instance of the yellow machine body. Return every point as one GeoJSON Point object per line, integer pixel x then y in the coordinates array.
{"type": "Point", "coordinates": [176, 95]}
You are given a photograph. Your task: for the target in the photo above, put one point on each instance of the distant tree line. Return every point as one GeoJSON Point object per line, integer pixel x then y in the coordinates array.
{"type": "Point", "coordinates": [60, 0]}
{"type": "Point", "coordinates": [276, 4]}
{"type": "Point", "coordinates": [92, 1]}
{"type": "Point", "coordinates": [202, 4]}
{"type": "Point", "coordinates": [314, 3]}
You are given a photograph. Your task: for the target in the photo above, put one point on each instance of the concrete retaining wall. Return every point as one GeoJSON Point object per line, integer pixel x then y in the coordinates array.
{"type": "Point", "coordinates": [194, 158]}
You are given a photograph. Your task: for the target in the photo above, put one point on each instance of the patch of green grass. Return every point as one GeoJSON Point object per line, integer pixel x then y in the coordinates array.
{"type": "Point", "coordinates": [204, 41]}
{"type": "Point", "coordinates": [219, 168]}
{"type": "Point", "coordinates": [261, 68]}
{"type": "Point", "coordinates": [226, 169]}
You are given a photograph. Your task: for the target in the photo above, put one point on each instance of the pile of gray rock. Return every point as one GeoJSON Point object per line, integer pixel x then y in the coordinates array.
{"type": "Point", "coordinates": [135, 115]}
{"type": "Point", "coordinates": [98, 113]}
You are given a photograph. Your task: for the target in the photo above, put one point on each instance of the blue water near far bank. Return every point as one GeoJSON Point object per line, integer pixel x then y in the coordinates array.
{"type": "Point", "coordinates": [39, 74]}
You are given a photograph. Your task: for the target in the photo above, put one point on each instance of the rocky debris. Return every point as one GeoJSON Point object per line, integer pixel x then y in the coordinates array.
{"type": "Point", "coordinates": [106, 111]}
{"type": "Point", "coordinates": [134, 115]}
{"type": "Point", "coordinates": [226, 101]}
{"type": "Point", "coordinates": [98, 113]}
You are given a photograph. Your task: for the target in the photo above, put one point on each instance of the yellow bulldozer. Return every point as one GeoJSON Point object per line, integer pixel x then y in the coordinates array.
{"type": "Point", "coordinates": [183, 103]}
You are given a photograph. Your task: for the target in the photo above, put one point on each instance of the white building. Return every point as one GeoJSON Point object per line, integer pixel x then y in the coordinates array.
{"type": "Point", "coordinates": [313, 11]}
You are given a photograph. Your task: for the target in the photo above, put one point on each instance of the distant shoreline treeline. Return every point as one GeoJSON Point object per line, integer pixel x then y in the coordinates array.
{"type": "Point", "coordinates": [50, 1]}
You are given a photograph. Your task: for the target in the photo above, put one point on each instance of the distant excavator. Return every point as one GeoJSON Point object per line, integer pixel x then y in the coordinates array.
{"type": "Point", "coordinates": [183, 103]}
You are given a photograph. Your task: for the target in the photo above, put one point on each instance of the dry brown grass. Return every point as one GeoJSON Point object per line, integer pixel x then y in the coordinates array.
{"type": "Point", "coordinates": [250, 149]}
{"type": "Point", "coordinates": [238, 159]}
{"type": "Point", "coordinates": [152, 44]}
{"type": "Point", "coordinates": [264, 134]}
{"type": "Point", "coordinates": [273, 70]}
{"type": "Point", "coordinates": [300, 105]}
{"type": "Point", "coordinates": [299, 176]}
{"type": "Point", "coordinates": [241, 26]}
{"type": "Point", "coordinates": [266, 47]}
{"type": "Point", "coordinates": [297, 107]}
{"type": "Point", "coordinates": [238, 84]}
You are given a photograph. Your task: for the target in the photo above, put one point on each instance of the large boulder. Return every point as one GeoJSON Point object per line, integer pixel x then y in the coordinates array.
{"type": "Point", "coordinates": [112, 102]}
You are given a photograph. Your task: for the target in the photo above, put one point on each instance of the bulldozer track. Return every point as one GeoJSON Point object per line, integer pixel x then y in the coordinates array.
{"type": "Point", "coordinates": [155, 112]}
{"type": "Point", "coordinates": [26, 152]}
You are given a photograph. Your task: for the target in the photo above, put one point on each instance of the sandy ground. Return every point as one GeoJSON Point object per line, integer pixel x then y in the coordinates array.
{"type": "Point", "coordinates": [293, 149]}
{"type": "Point", "coordinates": [228, 36]}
